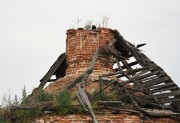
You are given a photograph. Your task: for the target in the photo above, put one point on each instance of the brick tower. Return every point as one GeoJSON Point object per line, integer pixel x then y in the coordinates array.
{"type": "Point", "coordinates": [80, 47]}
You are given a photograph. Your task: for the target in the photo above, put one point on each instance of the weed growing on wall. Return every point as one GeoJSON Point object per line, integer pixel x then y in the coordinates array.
{"type": "Point", "coordinates": [64, 102]}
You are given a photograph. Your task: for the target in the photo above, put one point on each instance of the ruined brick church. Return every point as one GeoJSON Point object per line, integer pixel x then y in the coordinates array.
{"type": "Point", "coordinates": [142, 88]}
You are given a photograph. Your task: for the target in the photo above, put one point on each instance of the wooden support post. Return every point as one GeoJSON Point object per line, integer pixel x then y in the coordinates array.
{"type": "Point", "coordinates": [83, 98]}
{"type": "Point", "coordinates": [86, 74]}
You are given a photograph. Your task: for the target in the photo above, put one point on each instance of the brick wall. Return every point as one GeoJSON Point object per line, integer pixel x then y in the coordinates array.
{"type": "Point", "coordinates": [109, 118]}
{"type": "Point", "coordinates": [80, 47]}
{"type": "Point", "coordinates": [57, 86]}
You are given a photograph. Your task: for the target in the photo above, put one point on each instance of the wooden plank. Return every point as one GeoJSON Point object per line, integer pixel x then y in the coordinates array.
{"type": "Point", "coordinates": [128, 71]}
{"type": "Point", "coordinates": [109, 102]}
{"type": "Point", "coordinates": [136, 79]}
{"type": "Point", "coordinates": [158, 75]}
{"type": "Point", "coordinates": [137, 89]}
{"type": "Point", "coordinates": [115, 52]}
{"type": "Point", "coordinates": [140, 73]}
{"type": "Point", "coordinates": [34, 105]}
{"type": "Point", "coordinates": [120, 69]}
{"type": "Point", "coordinates": [85, 101]}
{"type": "Point", "coordinates": [125, 111]}
{"type": "Point", "coordinates": [150, 102]}
{"type": "Point", "coordinates": [146, 75]}
{"type": "Point", "coordinates": [156, 112]}
{"type": "Point", "coordinates": [154, 81]}
{"type": "Point", "coordinates": [125, 63]}
{"type": "Point", "coordinates": [162, 86]}
{"type": "Point", "coordinates": [173, 93]}
{"type": "Point", "coordinates": [51, 71]}
{"type": "Point", "coordinates": [129, 64]}
{"type": "Point", "coordinates": [167, 86]}
{"type": "Point", "coordinates": [120, 76]}
{"type": "Point", "coordinates": [169, 100]}
{"type": "Point", "coordinates": [150, 78]}
{"type": "Point", "coordinates": [81, 101]}
{"type": "Point", "coordinates": [86, 74]}
{"type": "Point", "coordinates": [51, 80]}
{"type": "Point", "coordinates": [164, 89]}
{"type": "Point", "coordinates": [140, 45]}
{"type": "Point", "coordinates": [140, 70]}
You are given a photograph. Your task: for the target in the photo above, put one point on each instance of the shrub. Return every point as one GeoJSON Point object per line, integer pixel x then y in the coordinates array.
{"type": "Point", "coordinates": [101, 95]}
{"type": "Point", "coordinates": [26, 116]}
{"type": "Point", "coordinates": [5, 115]}
{"type": "Point", "coordinates": [64, 102]}
{"type": "Point", "coordinates": [44, 96]}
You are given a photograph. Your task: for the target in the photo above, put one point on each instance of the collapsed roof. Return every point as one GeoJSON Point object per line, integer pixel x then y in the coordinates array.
{"type": "Point", "coordinates": [150, 88]}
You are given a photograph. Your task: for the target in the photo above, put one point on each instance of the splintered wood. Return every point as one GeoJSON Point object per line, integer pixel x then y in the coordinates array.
{"type": "Point", "coordinates": [146, 85]}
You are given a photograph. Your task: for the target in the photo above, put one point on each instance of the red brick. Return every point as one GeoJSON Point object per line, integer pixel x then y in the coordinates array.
{"type": "Point", "coordinates": [86, 50]}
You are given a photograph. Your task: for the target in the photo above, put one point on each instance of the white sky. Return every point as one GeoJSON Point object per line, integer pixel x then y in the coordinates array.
{"type": "Point", "coordinates": [33, 34]}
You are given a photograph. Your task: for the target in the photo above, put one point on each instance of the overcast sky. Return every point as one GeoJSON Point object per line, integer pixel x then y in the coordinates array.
{"type": "Point", "coordinates": [33, 34]}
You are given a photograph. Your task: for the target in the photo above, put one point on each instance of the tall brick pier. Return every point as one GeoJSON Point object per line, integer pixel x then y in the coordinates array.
{"type": "Point", "coordinates": [80, 47]}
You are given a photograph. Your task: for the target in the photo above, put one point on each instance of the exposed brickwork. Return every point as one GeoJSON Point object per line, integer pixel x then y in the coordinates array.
{"type": "Point", "coordinates": [80, 47]}
{"type": "Point", "coordinates": [55, 87]}
{"type": "Point", "coordinates": [108, 118]}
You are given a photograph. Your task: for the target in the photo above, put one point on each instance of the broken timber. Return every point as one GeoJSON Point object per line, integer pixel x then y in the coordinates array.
{"type": "Point", "coordinates": [85, 75]}
{"type": "Point", "coordinates": [58, 69]}
{"type": "Point", "coordinates": [154, 86]}
{"type": "Point", "coordinates": [84, 100]}
{"type": "Point", "coordinates": [81, 93]}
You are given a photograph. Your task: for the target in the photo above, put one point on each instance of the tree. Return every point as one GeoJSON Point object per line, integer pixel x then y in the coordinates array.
{"type": "Point", "coordinates": [16, 102]}
{"type": "Point", "coordinates": [9, 98]}
{"type": "Point", "coordinates": [4, 101]}
{"type": "Point", "coordinates": [24, 94]}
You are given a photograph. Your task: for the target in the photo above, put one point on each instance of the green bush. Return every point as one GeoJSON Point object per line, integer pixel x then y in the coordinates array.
{"type": "Point", "coordinates": [100, 94]}
{"type": "Point", "coordinates": [64, 102]}
{"type": "Point", "coordinates": [26, 116]}
{"type": "Point", "coordinates": [5, 115]}
{"type": "Point", "coordinates": [18, 116]}
{"type": "Point", "coordinates": [44, 96]}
